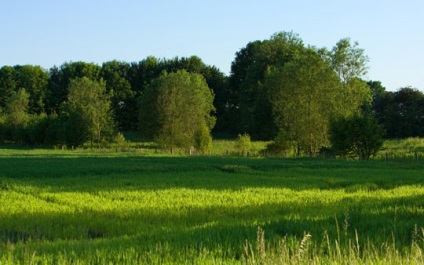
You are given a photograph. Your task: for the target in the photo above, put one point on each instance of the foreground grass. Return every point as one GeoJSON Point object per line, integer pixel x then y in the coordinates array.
{"type": "Point", "coordinates": [69, 207]}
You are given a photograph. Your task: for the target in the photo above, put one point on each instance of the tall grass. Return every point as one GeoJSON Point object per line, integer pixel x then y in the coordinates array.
{"type": "Point", "coordinates": [81, 207]}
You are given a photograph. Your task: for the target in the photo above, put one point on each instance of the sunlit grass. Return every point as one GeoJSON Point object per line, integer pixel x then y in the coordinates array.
{"type": "Point", "coordinates": [67, 207]}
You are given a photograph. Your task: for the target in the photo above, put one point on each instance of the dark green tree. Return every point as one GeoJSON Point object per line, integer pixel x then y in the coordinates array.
{"type": "Point", "coordinates": [359, 136]}
{"type": "Point", "coordinates": [247, 76]}
{"type": "Point", "coordinates": [7, 84]}
{"type": "Point", "coordinates": [116, 76]}
{"type": "Point", "coordinates": [377, 90]}
{"type": "Point", "coordinates": [401, 113]}
{"type": "Point", "coordinates": [59, 79]}
{"type": "Point", "coordinates": [34, 79]}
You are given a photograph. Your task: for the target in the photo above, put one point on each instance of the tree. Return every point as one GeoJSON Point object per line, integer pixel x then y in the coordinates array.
{"type": "Point", "coordinates": [174, 107]}
{"type": "Point", "coordinates": [377, 90]}
{"type": "Point", "coordinates": [359, 135]}
{"type": "Point", "coordinates": [7, 84]}
{"type": "Point", "coordinates": [248, 72]}
{"type": "Point", "coordinates": [17, 116]}
{"type": "Point", "coordinates": [401, 112]}
{"type": "Point", "coordinates": [17, 109]}
{"type": "Point", "coordinates": [60, 78]}
{"type": "Point", "coordinates": [349, 62]}
{"type": "Point", "coordinates": [34, 79]}
{"type": "Point", "coordinates": [88, 112]}
{"type": "Point", "coordinates": [304, 94]}
{"type": "Point", "coordinates": [116, 76]}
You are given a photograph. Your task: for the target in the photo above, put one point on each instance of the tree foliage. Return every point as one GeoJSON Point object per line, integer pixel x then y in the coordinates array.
{"type": "Point", "coordinates": [276, 85]}
{"type": "Point", "coordinates": [247, 76]}
{"type": "Point", "coordinates": [304, 96]}
{"type": "Point", "coordinates": [401, 112]}
{"type": "Point", "coordinates": [359, 136]}
{"type": "Point", "coordinates": [243, 144]}
{"type": "Point", "coordinates": [175, 107]}
{"type": "Point", "coordinates": [88, 112]}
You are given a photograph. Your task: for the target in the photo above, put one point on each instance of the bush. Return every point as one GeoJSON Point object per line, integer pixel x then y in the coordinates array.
{"type": "Point", "coordinates": [280, 145]}
{"type": "Point", "coordinates": [243, 144]}
{"type": "Point", "coordinates": [357, 136]}
{"type": "Point", "coordinates": [120, 142]}
{"type": "Point", "coordinates": [203, 139]}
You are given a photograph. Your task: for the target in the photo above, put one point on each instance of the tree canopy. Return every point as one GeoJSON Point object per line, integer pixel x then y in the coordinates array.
{"type": "Point", "coordinates": [88, 112]}
{"type": "Point", "coordinates": [358, 136]}
{"type": "Point", "coordinates": [304, 94]}
{"type": "Point", "coordinates": [279, 88]}
{"type": "Point", "coordinates": [177, 107]}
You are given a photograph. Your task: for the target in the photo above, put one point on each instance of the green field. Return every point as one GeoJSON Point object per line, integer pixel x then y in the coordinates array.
{"type": "Point", "coordinates": [79, 207]}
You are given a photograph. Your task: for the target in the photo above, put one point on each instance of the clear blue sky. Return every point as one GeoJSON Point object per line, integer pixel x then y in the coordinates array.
{"type": "Point", "coordinates": [51, 32]}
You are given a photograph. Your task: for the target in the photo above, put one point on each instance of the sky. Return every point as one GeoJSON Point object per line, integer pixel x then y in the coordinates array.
{"type": "Point", "coordinates": [51, 32]}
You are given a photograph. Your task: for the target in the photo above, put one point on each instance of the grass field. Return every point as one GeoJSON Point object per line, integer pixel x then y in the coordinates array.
{"type": "Point", "coordinates": [80, 207]}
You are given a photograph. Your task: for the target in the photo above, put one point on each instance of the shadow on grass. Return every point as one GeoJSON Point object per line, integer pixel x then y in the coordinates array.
{"type": "Point", "coordinates": [92, 174]}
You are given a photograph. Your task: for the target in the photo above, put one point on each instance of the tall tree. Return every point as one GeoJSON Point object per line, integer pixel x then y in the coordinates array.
{"type": "Point", "coordinates": [116, 76]}
{"type": "Point", "coordinates": [304, 94]}
{"type": "Point", "coordinates": [7, 84]}
{"type": "Point", "coordinates": [17, 109]}
{"type": "Point", "coordinates": [88, 112]}
{"type": "Point", "coordinates": [401, 113]}
{"type": "Point", "coordinates": [350, 64]}
{"type": "Point", "coordinates": [175, 107]}
{"type": "Point", "coordinates": [59, 79]}
{"type": "Point", "coordinates": [247, 77]}
{"type": "Point", "coordinates": [34, 79]}
{"type": "Point", "coordinates": [218, 82]}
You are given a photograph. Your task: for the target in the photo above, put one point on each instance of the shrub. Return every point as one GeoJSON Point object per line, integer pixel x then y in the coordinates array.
{"type": "Point", "coordinates": [243, 143]}
{"type": "Point", "coordinates": [280, 145]}
{"type": "Point", "coordinates": [120, 142]}
{"type": "Point", "coordinates": [358, 135]}
{"type": "Point", "coordinates": [203, 139]}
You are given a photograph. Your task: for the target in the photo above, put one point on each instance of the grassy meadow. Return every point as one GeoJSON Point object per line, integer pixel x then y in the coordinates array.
{"type": "Point", "coordinates": [105, 207]}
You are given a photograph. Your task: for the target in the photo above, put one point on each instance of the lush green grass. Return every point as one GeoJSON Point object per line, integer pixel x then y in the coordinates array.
{"type": "Point", "coordinates": [410, 148]}
{"type": "Point", "coordinates": [70, 207]}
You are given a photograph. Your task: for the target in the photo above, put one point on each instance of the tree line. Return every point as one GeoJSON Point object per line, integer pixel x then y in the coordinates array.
{"type": "Point", "coordinates": [278, 88]}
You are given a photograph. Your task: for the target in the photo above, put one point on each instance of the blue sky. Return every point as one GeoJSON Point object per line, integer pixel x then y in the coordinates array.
{"type": "Point", "coordinates": [51, 32]}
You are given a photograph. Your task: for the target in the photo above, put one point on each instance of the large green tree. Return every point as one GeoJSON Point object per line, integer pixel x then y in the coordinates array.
{"type": "Point", "coordinates": [88, 112]}
{"type": "Point", "coordinates": [60, 78]}
{"type": "Point", "coordinates": [253, 109]}
{"type": "Point", "coordinates": [175, 108]}
{"type": "Point", "coordinates": [304, 94]}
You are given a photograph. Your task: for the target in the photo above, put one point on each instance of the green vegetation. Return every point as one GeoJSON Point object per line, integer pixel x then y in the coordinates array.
{"type": "Point", "coordinates": [68, 207]}
{"type": "Point", "coordinates": [177, 108]}
{"type": "Point", "coordinates": [358, 136]}
{"type": "Point", "coordinates": [277, 84]}
{"type": "Point", "coordinates": [213, 201]}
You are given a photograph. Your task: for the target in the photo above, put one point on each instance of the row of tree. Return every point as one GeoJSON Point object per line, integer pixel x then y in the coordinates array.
{"type": "Point", "coordinates": [278, 88]}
